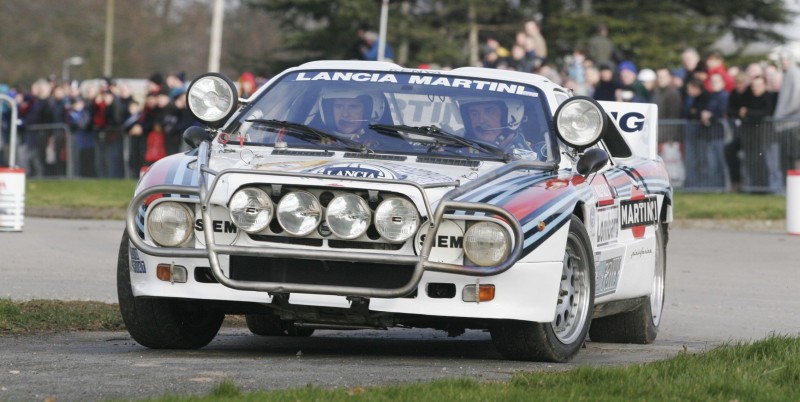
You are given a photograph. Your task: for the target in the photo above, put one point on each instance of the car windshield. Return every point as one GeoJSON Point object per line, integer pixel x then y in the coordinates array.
{"type": "Point", "coordinates": [394, 112]}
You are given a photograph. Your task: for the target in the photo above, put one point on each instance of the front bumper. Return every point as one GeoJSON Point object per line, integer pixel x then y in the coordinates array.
{"type": "Point", "coordinates": [421, 263]}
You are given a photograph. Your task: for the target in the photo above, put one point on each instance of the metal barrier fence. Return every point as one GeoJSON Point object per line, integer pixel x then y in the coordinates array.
{"type": "Point", "coordinates": [51, 150]}
{"type": "Point", "coordinates": [728, 155]}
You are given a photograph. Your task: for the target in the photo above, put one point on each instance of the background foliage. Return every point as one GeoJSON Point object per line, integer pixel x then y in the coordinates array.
{"type": "Point", "coordinates": [265, 36]}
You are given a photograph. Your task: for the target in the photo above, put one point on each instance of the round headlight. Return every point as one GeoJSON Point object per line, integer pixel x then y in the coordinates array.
{"type": "Point", "coordinates": [170, 224]}
{"type": "Point", "coordinates": [299, 213]}
{"type": "Point", "coordinates": [348, 216]}
{"type": "Point", "coordinates": [396, 219]}
{"type": "Point", "coordinates": [486, 243]}
{"type": "Point", "coordinates": [212, 98]}
{"type": "Point", "coordinates": [251, 209]}
{"type": "Point", "coordinates": [580, 122]}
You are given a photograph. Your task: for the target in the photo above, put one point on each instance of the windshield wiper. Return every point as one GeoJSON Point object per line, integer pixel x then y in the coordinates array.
{"type": "Point", "coordinates": [437, 133]}
{"type": "Point", "coordinates": [310, 134]}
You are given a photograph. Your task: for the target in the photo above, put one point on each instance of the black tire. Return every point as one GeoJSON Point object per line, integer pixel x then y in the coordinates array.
{"type": "Point", "coordinates": [272, 325]}
{"type": "Point", "coordinates": [163, 323]}
{"type": "Point", "coordinates": [555, 341]}
{"type": "Point", "coordinates": [639, 326]}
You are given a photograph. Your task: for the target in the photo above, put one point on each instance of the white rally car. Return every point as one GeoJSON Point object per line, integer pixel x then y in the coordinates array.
{"type": "Point", "coordinates": [355, 195]}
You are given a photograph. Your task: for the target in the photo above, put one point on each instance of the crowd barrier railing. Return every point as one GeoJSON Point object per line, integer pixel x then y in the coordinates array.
{"type": "Point", "coordinates": [729, 155]}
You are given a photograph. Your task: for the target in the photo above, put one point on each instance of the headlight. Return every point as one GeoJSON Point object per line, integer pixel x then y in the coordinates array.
{"type": "Point", "coordinates": [580, 122]}
{"type": "Point", "coordinates": [396, 219]}
{"type": "Point", "coordinates": [212, 98]}
{"type": "Point", "coordinates": [251, 209]}
{"type": "Point", "coordinates": [486, 243]}
{"type": "Point", "coordinates": [348, 216]}
{"type": "Point", "coordinates": [299, 213]}
{"type": "Point", "coordinates": [170, 224]}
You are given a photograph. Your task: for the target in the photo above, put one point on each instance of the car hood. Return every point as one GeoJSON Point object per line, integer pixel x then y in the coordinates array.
{"type": "Point", "coordinates": [423, 171]}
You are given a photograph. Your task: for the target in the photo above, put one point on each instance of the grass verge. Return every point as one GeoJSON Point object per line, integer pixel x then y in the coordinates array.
{"type": "Point", "coordinates": [90, 198]}
{"type": "Point", "coordinates": [767, 370]}
{"type": "Point", "coordinates": [108, 199]}
{"type": "Point", "coordinates": [729, 206]}
{"type": "Point", "coordinates": [38, 316]}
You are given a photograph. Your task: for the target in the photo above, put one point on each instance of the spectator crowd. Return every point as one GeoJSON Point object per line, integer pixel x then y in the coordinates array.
{"type": "Point", "coordinates": [709, 111]}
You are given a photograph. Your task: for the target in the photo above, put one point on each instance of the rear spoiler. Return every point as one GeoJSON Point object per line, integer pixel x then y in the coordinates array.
{"type": "Point", "coordinates": [638, 125]}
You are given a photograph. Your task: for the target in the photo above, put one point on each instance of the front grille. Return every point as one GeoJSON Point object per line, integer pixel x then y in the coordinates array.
{"type": "Point", "coordinates": [315, 272]}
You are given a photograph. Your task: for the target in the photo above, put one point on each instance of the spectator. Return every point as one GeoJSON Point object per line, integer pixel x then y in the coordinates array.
{"type": "Point", "coordinates": [372, 52]}
{"type": "Point", "coordinates": [36, 139]}
{"type": "Point", "coordinates": [575, 68]}
{"type": "Point", "coordinates": [753, 107]}
{"type": "Point", "coordinates": [592, 79]}
{"type": "Point", "coordinates": [537, 42]}
{"type": "Point", "coordinates": [519, 60]}
{"type": "Point", "coordinates": [695, 102]}
{"type": "Point", "coordinates": [787, 107]}
{"type": "Point", "coordinates": [716, 130]}
{"type": "Point", "coordinates": [630, 88]}
{"type": "Point", "coordinates": [137, 141]}
{"type": "Point", "coordinates": [648, 79]}
{"type": "Point", "coordinates": [606, 88]}
{"type": "Point", "coordinates": [80, 123]}
{"type": "Point", "coordinates": [107, 119]}
{"type": "Point", "coordinates": [247, 86]}
{"type": "Point", "coordinates": [716, 65]}
{"type": "Point", "coordinates": [738, 99]}
{"type": "Point", "coordinates": [666, 96]}
{"type": "Point", "coordinates": [359, 47]}
{"type": "Point", "coordinates": [601, 49]}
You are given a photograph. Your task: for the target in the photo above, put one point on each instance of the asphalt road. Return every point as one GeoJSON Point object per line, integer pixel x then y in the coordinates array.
{"type": "Point", "coordinates": [722, 285]}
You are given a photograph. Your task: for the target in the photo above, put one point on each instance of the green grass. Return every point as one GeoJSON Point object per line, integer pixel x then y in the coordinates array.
{"type": "Point", "coordinates": [38, 316]}
{"type": "Point", "coordinates": [729, 206]}
{"type": "Point", "coordinates": [93, 193]}
{"type": "Point", "coordinates": [109, 198]}
{"type": "Point", "coordinates": [767, 370]}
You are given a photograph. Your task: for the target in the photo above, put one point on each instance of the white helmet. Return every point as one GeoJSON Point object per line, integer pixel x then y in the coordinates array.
{"type": "Point", "coordinates": [514, 110]}
{"type": "Point", "coordinates": [373, 102]}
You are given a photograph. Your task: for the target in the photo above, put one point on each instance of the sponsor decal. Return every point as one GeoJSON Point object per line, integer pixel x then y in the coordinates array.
{"type": "Point", "coordinates": [137, 265]}
{"type": "Point", "coordinates": [602, 191]}
{"type": "Point", "coordinates": [355, 170]}
{"type": "Point", "coordinates": [416, 79]}
{"type": "Point", "coordinates": [637, 213]}
{"type": "Point", "coordinates": [225, 231]}
{"type": "Point", "coordinates": [607, 225]}
{"type": "Point", "coordinates": [629, 122]}
{"type": "Point", "coordinates": [641, 252]}
{"type": "Point", "coordinates": [448, 246]}
{"type": "Point", "coordinates": [606, 276]}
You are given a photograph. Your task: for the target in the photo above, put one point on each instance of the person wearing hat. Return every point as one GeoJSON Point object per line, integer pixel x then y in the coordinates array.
{"type": "Point", "coordinates": [631, 89]}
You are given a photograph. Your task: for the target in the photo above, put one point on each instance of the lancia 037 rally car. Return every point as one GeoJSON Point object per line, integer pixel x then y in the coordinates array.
{"type": "Point", "coordinates": [354, 195]}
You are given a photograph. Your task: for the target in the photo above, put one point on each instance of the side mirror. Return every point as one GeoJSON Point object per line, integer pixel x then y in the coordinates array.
{"type": "Point", "coordinates": [591, 161]}
{"type": "Point", "coordinates": [195, 135]}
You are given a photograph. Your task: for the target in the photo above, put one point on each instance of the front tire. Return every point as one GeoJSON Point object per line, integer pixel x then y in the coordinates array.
{"type": "Point", "coordinates": [559, 340]}
{"type": "Point", "coordinates": [640, 325]}
{"type": "Point", "coordinates": [163, 323]}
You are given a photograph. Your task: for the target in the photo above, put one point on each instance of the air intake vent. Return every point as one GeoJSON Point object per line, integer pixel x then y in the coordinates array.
{"type": "Point", "coordinates": [301, 153]}
{"type": "Point", "coordinates": [381, 157]}
{"type": "Point", "coordinates": [448, 161]}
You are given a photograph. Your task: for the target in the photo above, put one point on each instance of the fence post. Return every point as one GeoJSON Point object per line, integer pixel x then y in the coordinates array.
{"type": "Point", "coordinates": [793, 202]}
{"type": "Point", "coordinates": [12, 181]}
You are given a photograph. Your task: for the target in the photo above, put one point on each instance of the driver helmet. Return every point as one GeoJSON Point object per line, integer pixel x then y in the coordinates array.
{"type": "Point", "coordinates": [512, 110]}
{"type": "Point", "coordinates": [373, 103]}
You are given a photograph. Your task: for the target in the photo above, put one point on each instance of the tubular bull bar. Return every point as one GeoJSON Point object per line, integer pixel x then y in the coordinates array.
{"type": "Point", "coordinates": [420, 262]}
